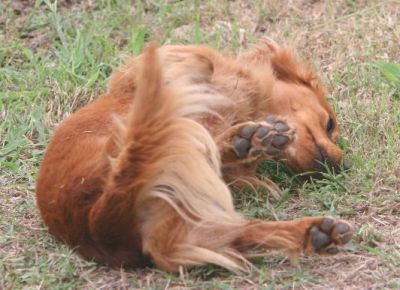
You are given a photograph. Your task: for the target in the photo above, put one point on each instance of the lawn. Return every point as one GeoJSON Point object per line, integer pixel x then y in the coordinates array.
{"type": "Point", "coordinates": [56, 57]}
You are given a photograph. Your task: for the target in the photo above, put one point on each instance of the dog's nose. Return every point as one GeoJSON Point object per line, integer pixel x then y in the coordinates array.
{"type": "Point", "coordinates": [323, 162]}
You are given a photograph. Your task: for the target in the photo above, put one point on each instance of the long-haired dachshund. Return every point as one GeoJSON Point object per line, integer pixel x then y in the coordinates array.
{"type": "Point", "coordinates": [141, 174]}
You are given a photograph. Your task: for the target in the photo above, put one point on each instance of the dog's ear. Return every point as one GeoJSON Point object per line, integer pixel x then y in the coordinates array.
{"type": "Point", "coordinates": [289, 68]}
{"type": "Point", "coordinates": [284, 62]}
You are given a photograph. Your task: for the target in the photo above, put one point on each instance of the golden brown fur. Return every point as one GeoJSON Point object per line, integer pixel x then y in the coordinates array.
{"type": "Point", "coordinates": [139, 175]}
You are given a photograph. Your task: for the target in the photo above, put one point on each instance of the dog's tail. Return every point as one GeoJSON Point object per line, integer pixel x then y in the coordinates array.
{"type": "Point", "coordinates": [168, 160]}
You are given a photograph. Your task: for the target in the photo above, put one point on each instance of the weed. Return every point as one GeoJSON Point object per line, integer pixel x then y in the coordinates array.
{"type": "Point", "coordinates": [55, 56]}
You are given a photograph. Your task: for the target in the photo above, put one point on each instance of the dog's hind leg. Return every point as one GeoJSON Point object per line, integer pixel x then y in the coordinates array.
{"type": "Point", "coordinates": [321, 235]}
{"type": "Point", "coordinates": [172, 242]}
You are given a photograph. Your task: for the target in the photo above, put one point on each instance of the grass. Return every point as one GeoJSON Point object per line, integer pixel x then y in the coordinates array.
{"type": "Point", "coordinates": [56, 57]}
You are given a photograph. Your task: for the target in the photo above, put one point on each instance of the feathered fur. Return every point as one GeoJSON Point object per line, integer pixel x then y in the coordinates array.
{"type": "Point", "coordinates": [136, 176]}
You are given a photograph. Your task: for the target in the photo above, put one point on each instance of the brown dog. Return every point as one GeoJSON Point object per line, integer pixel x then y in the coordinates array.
{"type": "Point", "coordinates": [138, 175]}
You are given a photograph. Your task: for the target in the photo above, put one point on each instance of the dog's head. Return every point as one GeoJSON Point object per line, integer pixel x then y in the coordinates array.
{"type": "Point", "coordinates": [308, 111]}
{"type": "Point", "coordinates": [300, 98]}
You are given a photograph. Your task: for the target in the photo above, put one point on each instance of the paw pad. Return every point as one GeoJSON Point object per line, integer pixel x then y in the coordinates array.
{"type": "Point", "coordinates": [329, 234]}
{"type": "Point", "coordinates": [241, 146]}
{"type": "Point", "coordinates": [269, 137]}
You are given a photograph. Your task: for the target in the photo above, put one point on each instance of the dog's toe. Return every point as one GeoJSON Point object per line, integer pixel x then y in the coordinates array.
{"type": "Point", "coordinates": [342, 233]}
{"type": "Point", "coordinates": [318, 238]}
{"type": "Point", "coordinates": [281, 127]}
{"type": "Point", "coordinates": [241, 146]}
{"type": "Point", "coordinates": [326, 224]}
{"type": "Point", "coordinates": [280, 140]}
{"type": "Point", "coordinates": [262, 131]}
{"type": "Point", "coordinates": [248, 130]}
{"type": "Point", "coordinates": [278, 135]}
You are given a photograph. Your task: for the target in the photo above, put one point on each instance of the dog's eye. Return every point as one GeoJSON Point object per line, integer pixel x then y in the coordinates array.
{"type": "Point", "coordinates": [330, 126]}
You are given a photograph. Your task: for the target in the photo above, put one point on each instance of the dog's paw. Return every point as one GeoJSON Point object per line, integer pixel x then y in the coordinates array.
{"type": "Point", "coordinates": [330, 234]}
{"type": "Point", "coordinates": [265, 138]}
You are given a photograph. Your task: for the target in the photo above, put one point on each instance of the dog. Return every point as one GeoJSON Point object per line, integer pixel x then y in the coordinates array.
{"type": "Point", "coordinates": [141, 175]}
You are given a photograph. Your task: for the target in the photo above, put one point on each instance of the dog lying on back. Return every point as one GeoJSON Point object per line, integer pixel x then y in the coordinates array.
{"type": "Point", "coordinates": [140, 175]}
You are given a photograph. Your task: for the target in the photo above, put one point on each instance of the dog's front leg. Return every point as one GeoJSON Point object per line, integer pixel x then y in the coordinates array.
{"type": "Point", "coordinates": [244, 144]}
{"type": "Point", "coordinates": [248, 141]}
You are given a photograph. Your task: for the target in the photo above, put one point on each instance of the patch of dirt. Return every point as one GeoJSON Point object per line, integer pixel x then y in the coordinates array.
{"type": "Point", "coordinates": [24, 6]}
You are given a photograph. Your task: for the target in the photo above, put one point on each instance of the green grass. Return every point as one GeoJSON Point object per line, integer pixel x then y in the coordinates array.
{"type": "Point", "coordinates": [56, 58]}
